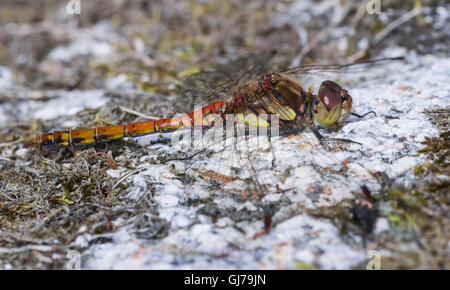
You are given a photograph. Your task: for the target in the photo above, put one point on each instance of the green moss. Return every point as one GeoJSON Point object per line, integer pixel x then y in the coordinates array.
{"type": "Point", "coordinates": [65, 196]}
{"type": "Point", "coordinates": [305, 266]}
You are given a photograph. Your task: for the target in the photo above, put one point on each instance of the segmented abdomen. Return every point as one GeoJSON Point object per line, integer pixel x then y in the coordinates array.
{"type": "Point", "coordinates": [102, 134]}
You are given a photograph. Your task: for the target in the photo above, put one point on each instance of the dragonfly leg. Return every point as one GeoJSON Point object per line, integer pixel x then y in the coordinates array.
{"type": "Point", "coordinates": [362, 116]}
{"type": "Point", "coordinates": [335, 143]}
{"type": "Point", "coordinates": [318, 135]}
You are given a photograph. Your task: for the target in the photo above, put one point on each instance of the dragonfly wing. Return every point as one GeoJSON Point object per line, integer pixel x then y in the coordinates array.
{"type": "Point", "coordinates": [203, 88]}
{"type": "Point", "coordinates": [220, 82]}
{"type": "Point", "coordinates": [349, 67]}
{"type": "Point", "coordinates": [272, 104]}
{"type": "Point", "coordinates": [310, 75]}
{"type": "Point", "coordinates": [248, 67]}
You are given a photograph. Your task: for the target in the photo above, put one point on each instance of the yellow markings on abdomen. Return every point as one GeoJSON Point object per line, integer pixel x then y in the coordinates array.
{"type": "Point", "coordinates": [83, 136]}
{"type": "Point", "coordinates": [107, 133]}
{"type": "Point", "coordinates": [61, 138]}
{"type": "Point", "coordinates": [110, 132]}
{"type": "Point", "coordinates": [45, 140]}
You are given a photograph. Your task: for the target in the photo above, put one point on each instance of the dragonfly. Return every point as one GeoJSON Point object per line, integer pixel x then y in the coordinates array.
{"type": "Point", "coordinates": [252, 100]}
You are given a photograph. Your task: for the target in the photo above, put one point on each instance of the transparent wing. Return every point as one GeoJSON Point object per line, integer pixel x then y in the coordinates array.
{"type": "Point", "coordinates": [225, 164]}
{"type": "Point", "coordinates": [343, 68]}
{"type": "Point", "coordinates": [313, 75]}
{"type": "Point", "coordinates": [219, 82]}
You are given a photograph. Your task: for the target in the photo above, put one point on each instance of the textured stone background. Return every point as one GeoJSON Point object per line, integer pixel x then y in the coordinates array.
{"type": "Point", "coordinates": [292, 204]}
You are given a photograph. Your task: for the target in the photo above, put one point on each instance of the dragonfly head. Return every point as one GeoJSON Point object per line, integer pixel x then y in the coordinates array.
{"type": "Point", "coordinates": [332, 104]}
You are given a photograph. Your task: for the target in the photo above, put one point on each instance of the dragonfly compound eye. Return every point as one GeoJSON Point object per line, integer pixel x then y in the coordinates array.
{"type": "Point", "coordinates": [328, 110]}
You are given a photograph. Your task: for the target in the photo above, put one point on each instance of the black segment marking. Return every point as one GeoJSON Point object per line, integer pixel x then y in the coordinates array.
{"type": "Point", "coordinates": [77, 140]}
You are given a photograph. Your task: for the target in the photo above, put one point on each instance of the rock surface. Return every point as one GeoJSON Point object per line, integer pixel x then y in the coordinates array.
{"type": "Point", "coordinates": [153, 203]}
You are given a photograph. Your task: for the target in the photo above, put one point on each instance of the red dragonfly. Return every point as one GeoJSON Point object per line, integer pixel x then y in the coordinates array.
{"type": "Point", "coordinates": [252, 100]}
